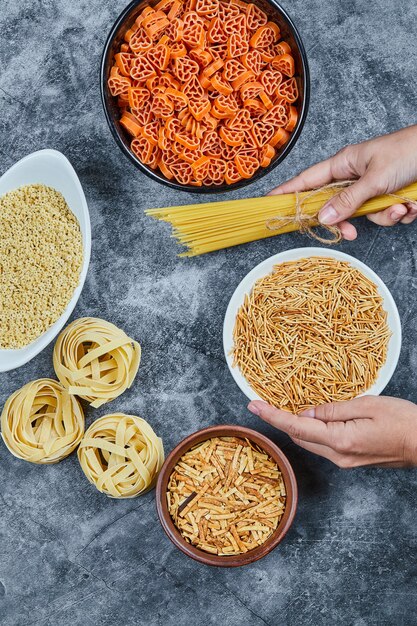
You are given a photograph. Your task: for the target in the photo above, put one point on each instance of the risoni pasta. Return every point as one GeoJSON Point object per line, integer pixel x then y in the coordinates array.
{"type": "Point", "coordinates": [313, 331]}
{"type": "Point", "coordinates": [41, 422]}
{"type": "Point", "coordinates": [121, 455]}
{"type": "Point", "coordinates": [41, 256]}
{"type": "Point", "coordinates": [212, 226]}
{"type": "Point", "coordinates": [206, 89]}
{"type": "Point", "coordinates": [96, 360]}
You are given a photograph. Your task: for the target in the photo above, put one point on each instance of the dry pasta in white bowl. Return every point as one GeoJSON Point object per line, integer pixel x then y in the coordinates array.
{"type": "Point", "coordinates": [309, 326]}
{"type": "Point", "coordinates": [41, 422]}
{"type": "Point", "coordinates": [96, 360]}
{"type": "Point", "coordinates": [121, 455]}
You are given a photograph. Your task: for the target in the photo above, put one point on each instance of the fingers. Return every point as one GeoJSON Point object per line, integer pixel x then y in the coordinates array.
{"type": "Point", "coordinates": [315, 176]}
{"type": "Point", "coordinates": [363, 407]}
{"type": "Point", "coordinates": [348, 231]}
{"type": "Point", "coordinates": [411, 213]}
{"type": "Point", "coordinates": [338, 167]}
{"type": "Point", "coordinates": [344, 204]}
{"type": "Point", "coordinates": [297, 427]}
{"type": "Point", "coordinates": [324, 451]}
{"type": "Point", "coordinates": [390, 216]}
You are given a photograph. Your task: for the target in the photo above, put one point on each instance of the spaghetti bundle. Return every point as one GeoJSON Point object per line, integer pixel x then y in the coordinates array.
{"type": "Point", "coordinates": [311, 332]}
{"type": "Point", "coordinates": [212, 226]}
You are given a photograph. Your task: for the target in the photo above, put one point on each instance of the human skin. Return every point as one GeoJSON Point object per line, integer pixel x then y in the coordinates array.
{"type": "Point", "coordinates": [379, 166]}
{"type": "Point", "coordinates": [369, 430]}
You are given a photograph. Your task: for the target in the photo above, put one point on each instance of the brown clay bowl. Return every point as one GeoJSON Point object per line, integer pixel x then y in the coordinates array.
{"type": "Point", "coordinates": [239, 559]}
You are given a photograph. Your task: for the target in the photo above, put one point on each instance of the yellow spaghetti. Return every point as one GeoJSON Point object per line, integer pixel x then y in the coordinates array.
{"type": "Point", "coordinates": [311, 332]}
{"type": "Point", "coordinates": [212, 226]}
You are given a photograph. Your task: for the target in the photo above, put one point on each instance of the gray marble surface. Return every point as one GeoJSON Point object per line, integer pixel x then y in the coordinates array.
{"type": "Point", "coordinates": [69, 555]}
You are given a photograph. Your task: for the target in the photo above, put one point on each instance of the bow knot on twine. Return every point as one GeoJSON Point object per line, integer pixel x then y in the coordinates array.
{"type": "Point", "coordinates": [306, 223]}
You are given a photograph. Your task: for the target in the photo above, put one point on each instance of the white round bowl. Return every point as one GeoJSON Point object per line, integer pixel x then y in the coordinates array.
{"type": "Point", "coordinates": [266, 267]}
{"type": "Point", "coordinates": [52, 168]}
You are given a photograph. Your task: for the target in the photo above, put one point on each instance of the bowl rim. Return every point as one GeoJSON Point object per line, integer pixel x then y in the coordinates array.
{"type": "Point", "coordinates": [290, 484]}
{"type": "Point", "coordinates": [265, 267]}
{"type": "Point", "coordinates": [153, 174]}
{"type": "Point", "coordinates": [53, 161]}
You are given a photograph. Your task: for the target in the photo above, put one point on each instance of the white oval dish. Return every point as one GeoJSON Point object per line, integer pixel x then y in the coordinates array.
{"type": "Point", "coordinates": [52, 168]}
{"type": "Point", "coordinates": [264, 268]}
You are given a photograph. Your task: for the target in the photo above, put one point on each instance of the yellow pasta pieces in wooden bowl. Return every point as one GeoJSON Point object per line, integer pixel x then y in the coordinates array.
{"type": "Point", "coordinates": [41, 422]}
{"type": "Point", "coordinates": [121, 455]}
{"type": "Point", "coordinates": [96, 360]}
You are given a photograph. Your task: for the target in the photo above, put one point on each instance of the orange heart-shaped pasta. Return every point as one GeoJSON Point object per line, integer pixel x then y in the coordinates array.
{"type": "Point", "coordinates": [207, 90]}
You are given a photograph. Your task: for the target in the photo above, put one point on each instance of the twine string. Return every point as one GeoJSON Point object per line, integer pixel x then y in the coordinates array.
{"type": "Point", "coordinates": [307, 223]}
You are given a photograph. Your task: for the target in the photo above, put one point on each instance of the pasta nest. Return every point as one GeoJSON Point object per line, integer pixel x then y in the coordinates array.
{"type": "Point", "coordinates": [121, 455]}
{"type": "Point", "coordinates": [95, 360]}
{"type": "Point", "coordinates": [41, 422]}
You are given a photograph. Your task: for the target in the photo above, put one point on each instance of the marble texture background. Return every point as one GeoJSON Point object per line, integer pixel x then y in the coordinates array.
{"type": "Point", "coordinates": [68, 554]}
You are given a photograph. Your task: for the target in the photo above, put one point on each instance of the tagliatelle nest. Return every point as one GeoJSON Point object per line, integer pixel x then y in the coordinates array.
{"type": "Point", "coordinates": [121, 455]}
{"type": "Point", "coordinates": [96, 360]}
{"type": "Point", "coordinates": [41, 422]}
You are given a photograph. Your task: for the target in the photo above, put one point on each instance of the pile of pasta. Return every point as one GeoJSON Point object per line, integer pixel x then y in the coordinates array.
{"type": "Point", "coordinates": [206, 89]}
{"type": "Point", "coordinates": [41, 422]}
{"type": "Point", "coordinates": [96, 360]}
{"type": "Point", "coordinates": [121, 455]}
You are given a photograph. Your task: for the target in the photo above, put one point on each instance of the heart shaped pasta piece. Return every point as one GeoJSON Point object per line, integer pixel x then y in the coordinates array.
{"type": "Point", "coordinates": [137, 97]}
{"type": "Point", "coordinates": [276, 116]}
{"type": "Point", "coordinates": [288, 90]}
{"type": "Point", "coordinates": [207, 8]}
{"type": "Point", "coordinates": [255, 17]}
{"type": "Point", "coordinates": [142, 69]}
{"type": "Point", "coordinates": [253, 61]}
{"type": "Point", "coordinates": [143, 148]}
{"type": "Point", "coordinates": [124, 62]}
{"type": "Point", "coordinates": [184, 68]}
{"type": "Point", "coordinates": [241, 121]}
{"type": "Point", "coordinates": [285, 64]}
{"type": "Point", "coordinates": [139, 42]}
{"type": "Point", "coordinates": [233, 69]}
{"type": "Point", "coordinates": [145, 113]}
{"type": "Point", "coordinates": [231, 136]}
{"type": "Point", "coordinates": [232, 174]}
{"type": "Point", "coordinates": [199, 108]}
{"type": "Point", "coordinates": [215, 31]}
{"type": "Point", "coordinates": [159, 56]}
{"type": "Point", "coordinates": [247, 164]}
{"type": "Point", "coordinates": [270, 80]}
{"type": "Point", "coordinates": [151, 132]}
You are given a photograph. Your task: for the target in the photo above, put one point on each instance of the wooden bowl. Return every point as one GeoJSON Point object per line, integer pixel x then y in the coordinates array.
{"type": "Point", "coordinates": [284, 524]}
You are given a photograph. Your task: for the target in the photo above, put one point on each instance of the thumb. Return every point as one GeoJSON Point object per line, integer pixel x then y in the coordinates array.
{"type": "Point", "coordinates": [344, 204]}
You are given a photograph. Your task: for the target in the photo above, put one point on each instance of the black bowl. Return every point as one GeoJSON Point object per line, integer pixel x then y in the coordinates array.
{"type": "Point", "coordinates": [289, 33]}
